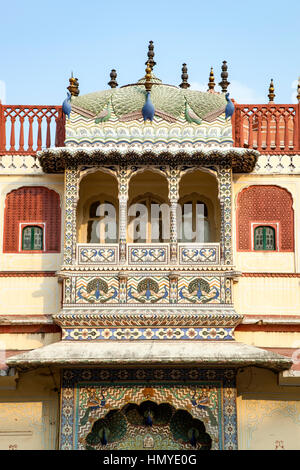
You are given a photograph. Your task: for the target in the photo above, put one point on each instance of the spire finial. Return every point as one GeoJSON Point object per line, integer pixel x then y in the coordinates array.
{"type": "Point", "coordinates": [271, 94]}
{"type": "Point", "coordinates": [113, 76]}
{"type": "Point", "coordinates": [150, 54]}
{"type": "Point", "coordinates": [74, 85]}
{"type": "Point", "coordinates": [148, 76]}
{"type": "Point", "coordinates": [224, 83]}
{"type": "Point", "coordinates": [298, 90]}
{"type": "Point", "coordinates": [184, 76]}
{"type": "Point", "coordinates": [211, 81]}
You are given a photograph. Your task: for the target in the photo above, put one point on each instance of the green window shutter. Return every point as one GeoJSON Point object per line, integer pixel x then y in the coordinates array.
{"type": "Point", "coordinates": [26, 242]}
{"type": "Point", "coordinates": [264, 238]}
{"type": "Point", "coordinates": [32, 238]}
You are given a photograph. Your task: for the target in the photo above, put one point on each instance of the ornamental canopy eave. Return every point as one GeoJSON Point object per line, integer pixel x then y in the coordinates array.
{"type": "Point", "coordinates": [190, 353]}
{"type": "Point", "coordinates": [56, 160]}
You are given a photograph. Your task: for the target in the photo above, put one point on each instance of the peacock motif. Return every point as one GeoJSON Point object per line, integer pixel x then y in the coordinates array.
{"type": "Point", "coordinates": [148, 290]}
{"type": "Point", "coordinates": [134, 419]}
{"type": "Point", "coordinates": [97, 290]}
{"type": "Point", "coordinates": [104, 115]}
{"type": "Point", "coordinates": [148, 109]}
{"type": "Point", "coordinates": [190, 116]}
{"type": "Point", "coordinates": [199, 290]}
{"type": "Point", "coordinates": [66, 106]}
{"type": "Point", "coordinates": [229, 110]}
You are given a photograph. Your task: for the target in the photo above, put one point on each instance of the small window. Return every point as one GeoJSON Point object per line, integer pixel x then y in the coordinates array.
{"type": "Point", "coordinates": [32, 238]}
{"type": "Point", "coordinates": [264, 238]}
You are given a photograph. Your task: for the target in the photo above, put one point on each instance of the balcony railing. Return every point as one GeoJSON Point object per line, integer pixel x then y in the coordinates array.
{"type": "Point", "coordinates": [24, 130]}
{"type": "Point", "coordinates": [269, 128]}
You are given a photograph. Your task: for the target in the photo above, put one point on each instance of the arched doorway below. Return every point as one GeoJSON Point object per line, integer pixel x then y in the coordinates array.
{"type": "Point", "coordinates": [148, 426]}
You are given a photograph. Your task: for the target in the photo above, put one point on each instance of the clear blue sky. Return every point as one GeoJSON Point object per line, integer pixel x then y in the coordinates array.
{"type": "Point", "coordinates": [41, 42]}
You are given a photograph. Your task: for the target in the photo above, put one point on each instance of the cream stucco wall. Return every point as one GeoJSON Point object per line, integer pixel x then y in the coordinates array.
{"type": "Point", "coordinates": [27, 341]}
{"type": "Point", "coordinates": [267, 296]}
{"type": "Point", "coordinates": [268, 415]}
{"type": "Point", "coordinates": [29, 413]}
{"type": "Point", "coordinates": [30, 295]}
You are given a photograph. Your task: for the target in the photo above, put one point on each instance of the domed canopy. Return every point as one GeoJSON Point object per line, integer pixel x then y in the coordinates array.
{"type": "Point", "coordinates": [169, 102]}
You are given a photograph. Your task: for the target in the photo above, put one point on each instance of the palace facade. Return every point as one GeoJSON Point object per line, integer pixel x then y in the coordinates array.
{"type": "Point", "coordinates": [150, 270]}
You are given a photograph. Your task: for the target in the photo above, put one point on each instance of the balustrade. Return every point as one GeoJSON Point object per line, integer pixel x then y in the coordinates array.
{"type": "Point", "coordinates": [270, 128]}
{"type": "Point", "coordinates": [24, 130]}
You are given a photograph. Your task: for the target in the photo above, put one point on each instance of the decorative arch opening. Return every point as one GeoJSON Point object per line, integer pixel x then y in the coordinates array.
{"type": "Point", "coordinates": [148, 208]}
{"type": "Point", "coordinates": [148, 426]}
{"type": "Point", "coordinates": [97, 208]}
{"type": "Point", "coordinates": [200, 207]}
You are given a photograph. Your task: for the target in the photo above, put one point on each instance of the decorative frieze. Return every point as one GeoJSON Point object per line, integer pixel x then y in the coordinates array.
{"type": "Point", "coordinates": [147, 289]}
{"type": "Point", "coordinates": [100, 334]}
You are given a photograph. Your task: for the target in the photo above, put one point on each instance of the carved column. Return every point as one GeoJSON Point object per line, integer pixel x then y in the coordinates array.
{"type": "Point", "coordinates": [123, 198]}
{"type": "Point", "coordinates": [71, 192]}
{"type": "Point", "coordinates": [173, 180]}
{"type": "Point", "coordinates": [225, 195]}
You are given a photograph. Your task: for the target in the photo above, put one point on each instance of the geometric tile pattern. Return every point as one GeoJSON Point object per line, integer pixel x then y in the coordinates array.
{"type": "Point", "coordinates": [98, 334]}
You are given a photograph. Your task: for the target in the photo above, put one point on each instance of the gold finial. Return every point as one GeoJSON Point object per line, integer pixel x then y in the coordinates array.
{"type": "Point", "coordinates": [298, 90]}
{"type": "Point", "coordinates": [148, 76]}
{"type": "Point", "coordinates": [211, 81]}
{"type": "Point", "coordinates": [74, 86]}
{"type": "Point", "coordinates": [271, 94]}
{"type": "Point", "coordinates": [184, 84]}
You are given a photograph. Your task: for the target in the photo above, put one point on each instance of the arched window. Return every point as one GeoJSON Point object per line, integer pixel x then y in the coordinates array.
{"type": "Point", "coordinates": [32, 238]}
{"type": "Point", "coordinates": [145, 222]}
{"type": "Point", "coordinates": [265, 206]}
{"type": "Point", "coordinates": [195, 225]}
{"type": "Point", "coordinates": [34, 206]}
{"type": "Point", "coordinates": [102, 226]}
{"type": "Point", "coordinates": [264, 238]}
